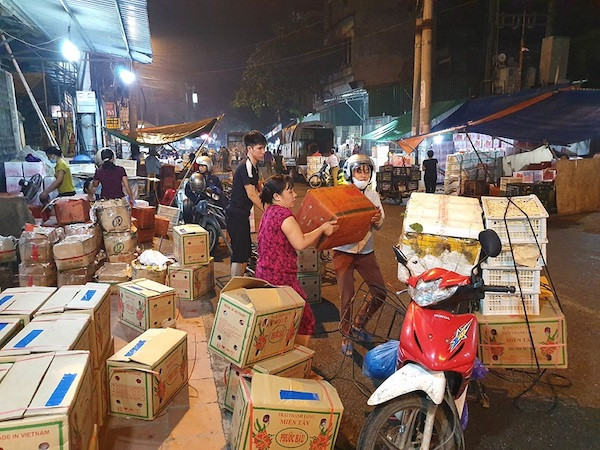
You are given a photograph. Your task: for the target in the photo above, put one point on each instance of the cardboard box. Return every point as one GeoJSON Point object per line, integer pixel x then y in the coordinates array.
{"type": "Point", "coordinates": [144, 215]}
{"type": "Point", "coordinates": [92, 299]}
{"type": "Point", "coordinates": [113, 215]}
{"type": "Point", "coordinates": [294, 364]}
{"type": "Point", "coordinates": [52, 333]}
{"type": "Point", "coordinates": [120, 242]}
{"type": "Point", "coordinates": [12, 185]}
{"type": "Point", "coordinates": [288, 412]}
{"type": "Point", "coordinates": [85, 229]}
{"type": "Point", "coordinates": [36, 246]}
{"type": "Point", "coordinates": [52, 408]}
{"type": "Point", "coordinates": [22, 303]}
{"type": "Point", "coordinates": [33, 168]}
{"type": "Point", "coordinates": [154, 273]}
{"type": "Point", "coordinates": [255, 321]}
{"type": "Point", "coordinates": [74, 252]}
{"type": "Point", "coordinates": [147, 373]}
{"type": "Point", "coordinates": [311, 284]}
{"type": "Point", "coordinates": [8, 328]}
{"type": "Point", "coordinates": [346, 204]}
{"type": "Point", "coordinates": [75, 209]}
{"type": "Point", "coordinates": [170, 213]}
{"type": "Point", "coordinates": [118, 272]}
{"type": "Point", "coordinates": [145, 304]}
{"type": "Point", "coordinates": [504, 340]}
{"type": "Point", "coordinates": [190, 244]}
{"type": "Point", "coordinates": [161, 225]}
{"type": "Point", "coordinates": [190, 282]}
{"type": "Point", "coordinates": [124, 257]}
{"type": "Point", "coordinates": [100, 386]}
{"type": "Point", "coordinates": [309, 260]}
{"type": "Point", "coordinates": [145, 234]}
{"type": "Point", "coordinates": [13, 169]}
{"type": "Point", "coordinates": [40, 274]}
{"type": "Point", "coordinates": [75, 277]}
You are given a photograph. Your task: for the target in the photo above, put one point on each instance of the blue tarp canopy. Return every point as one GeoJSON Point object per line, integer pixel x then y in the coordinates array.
{"type": "Point", "coordinates": [557, 115]}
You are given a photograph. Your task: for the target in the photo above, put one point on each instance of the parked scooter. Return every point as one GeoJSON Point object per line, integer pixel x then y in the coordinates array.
{"type": "Point", "coordinates": [421, 404]}
{"type": "Point", "coordinates": [203, 205]}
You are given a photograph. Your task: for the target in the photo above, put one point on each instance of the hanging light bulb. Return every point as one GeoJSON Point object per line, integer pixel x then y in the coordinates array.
{"type": "Point", "coordinates": [126, 75]}
{"type": "Point", "coordinates": [70, 51]}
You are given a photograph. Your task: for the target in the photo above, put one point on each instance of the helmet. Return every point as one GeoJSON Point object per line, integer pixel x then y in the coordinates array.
{"type": "Point", "coordinates": [356, 161]}
{"type": "Point", "coordinates": [197, 183]}
{"type": "Point", "coordinates": [205, 161]}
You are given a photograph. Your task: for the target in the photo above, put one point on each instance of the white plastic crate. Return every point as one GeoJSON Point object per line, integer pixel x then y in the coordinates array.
{"type": "Point", "coordinates": [495, 304]}
{"type": "Point", "coordinates": [519, 230]}
{"type": "Point", "coordinates": [528, 210]}
{"type": "Point", "coordinates": [529, 278]}
{"type": "Point", "coordinates": [505, 258]}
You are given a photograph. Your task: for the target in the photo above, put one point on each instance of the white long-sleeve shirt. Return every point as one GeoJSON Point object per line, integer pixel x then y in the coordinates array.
{"type": "Point", "coordinates": [365, 246]}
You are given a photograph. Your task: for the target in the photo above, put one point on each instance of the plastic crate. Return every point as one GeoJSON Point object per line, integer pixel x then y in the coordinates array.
{"type": "Point", "coordinates": [517, 224]}
{"type": "Point", "coordinates": [505, 259]}
{"type": "Point", "coordinates": [413, 185]}
{"type": "Point", "coordinates": [529, 278]}
{"type": "Point", "coordinates": [385, 186]}
{"type": "Point", "coordinates": [384, 176]}
{"type": "Point", "coordinates": [415, 175]}
{"type": "Point", "coordinates": [518, 189]}
{"type": "Point", "coordinates": [519, 230]}
{"type": "Point", "coordinates": [495, 304]}
{"type": "Point", "coordinates": [401, 171]}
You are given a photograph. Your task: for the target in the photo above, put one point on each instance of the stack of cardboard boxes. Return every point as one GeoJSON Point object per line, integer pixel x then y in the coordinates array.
{"type": "Point", "coordinates": [8, 261]}
{"type": "Point", "coordinates": [193, 274]}
{"type": "Point", "coordinates": [255, 329]}
{"type": "Point", "coordinates": [120, 239]}
{"type": "Point", "coordinates": [309, 273]}
{"type": "Point", "coordinates": [145, 222]}
{"type": "Point", "coordinates": [37, 266]}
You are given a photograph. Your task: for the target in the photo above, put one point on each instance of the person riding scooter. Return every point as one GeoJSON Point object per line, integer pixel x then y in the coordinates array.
{"type": "Point", "coordinates": [211, 182]}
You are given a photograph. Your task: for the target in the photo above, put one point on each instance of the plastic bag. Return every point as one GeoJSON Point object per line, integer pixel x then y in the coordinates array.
{"type": "Point", "coordinates": [153, 258]}
{"type": "Point", "coordinates": [381, 361]}
{"type": "Point", "coordinates": [479, 370]}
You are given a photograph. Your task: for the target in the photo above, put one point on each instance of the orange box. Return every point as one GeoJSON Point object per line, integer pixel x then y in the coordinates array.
{"type": "Point", "coordinates": [74, 209]}
{"type": "Point", "coordinates": [161, 225]}
{"type": "Point", "coordinates": [145, 234]}
{"type": "Point", "coordinates": [144, 215]}
{"type": "Point", "coordinates": [346, 204]}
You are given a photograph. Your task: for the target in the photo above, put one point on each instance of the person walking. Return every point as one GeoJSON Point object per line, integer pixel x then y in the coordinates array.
{"type": "Point", "coordinates": [224, 155]}
{"type": "Point", "coordinates": [334, 166]}
{"type": "Point", "coordinates": [279, 236]}
{"type": "Point", "coordinates": [279, 163]}
{"type": "Point", "coordinates": [244, 195]}
{"type": "Point", "coordinates": [63, 179]}
{"type": "Point", "coordinates": [430, 169]}
{"type": "Point", "coordinates": [153, 164]}
{"type": "Point", "coordinates": [359, 257]}
{"type": "Point", "coordinates": [112, 178]}
{"type": "Point", "coordinates": [269, 161]}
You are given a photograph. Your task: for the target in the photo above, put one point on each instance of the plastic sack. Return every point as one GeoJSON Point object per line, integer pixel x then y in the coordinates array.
{"type": "Point", "coordinates": [381, 361]}
{"type": "Point", "coordinates": [113, 215]}
{"type": "Point", "coordinates": [479, 370]}
{"type": "Point", "coordinates": [8, 249]}
{"type": "Point", "coordinates": [153, 258]}
{"type": "Point", "coordinates": [120, 242]}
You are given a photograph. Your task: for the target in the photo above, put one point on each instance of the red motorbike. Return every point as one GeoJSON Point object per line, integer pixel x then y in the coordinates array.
{"type": "Point", "coordinates": [421, 404]}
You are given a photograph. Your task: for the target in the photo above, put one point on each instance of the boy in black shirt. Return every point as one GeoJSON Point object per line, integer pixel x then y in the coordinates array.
{"type": "Point", "coordinates": [430, 169]}
{"type": "Point", "coordinates": [244, 194]}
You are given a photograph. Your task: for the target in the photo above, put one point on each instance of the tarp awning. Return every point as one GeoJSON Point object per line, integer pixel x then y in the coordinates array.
{"type": "Point", "coordinates": [558, 115]}
{"type": "Point", "coordinates": [400, 127]}
{"type": "Point", "coordinates": [167, 133]}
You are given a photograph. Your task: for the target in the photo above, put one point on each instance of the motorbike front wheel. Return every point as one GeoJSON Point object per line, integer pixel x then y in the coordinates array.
{"type": "Point", "coordinates": [399, 424]}
{"type": "Point", "coordinates": [315, 181]}
{"type": "Point", "coordinates": [213, 236]}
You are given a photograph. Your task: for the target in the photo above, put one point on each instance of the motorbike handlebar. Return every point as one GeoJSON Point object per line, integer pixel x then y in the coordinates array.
{"type": "Point", "coordinates": [502, 289]}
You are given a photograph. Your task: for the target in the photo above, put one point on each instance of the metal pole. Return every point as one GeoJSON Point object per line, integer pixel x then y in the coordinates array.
{"type": "Point", "coordinates": [417, 78]}
{"type": "Point", "coordinates": [426, 54]}
{"type": "Point", "coordinates": [31, 97]}
{"type": "Point", "coordinates": [521, 51]}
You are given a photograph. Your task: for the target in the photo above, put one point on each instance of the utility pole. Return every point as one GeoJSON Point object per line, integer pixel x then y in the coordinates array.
{"type": "Point", "coordinates": [426, 54]}
{"type": "Point", "coordinates": [489, 46]}
{"type": "Point", "coordinates": [521, 53]}
{"type": "Point", "coordinates": [416, 103]}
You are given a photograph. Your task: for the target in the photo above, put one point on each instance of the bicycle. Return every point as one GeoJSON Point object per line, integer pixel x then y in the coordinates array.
{"type": "Point", "coordinates": [323, 177]}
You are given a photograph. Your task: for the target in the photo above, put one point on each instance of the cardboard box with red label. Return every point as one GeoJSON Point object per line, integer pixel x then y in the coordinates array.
{"type": "Point", "coordinates": [145, 304]}
{"type": "Point", "coordinates": [74, 252]}
{"type": "Point", "coordinates": [190, 282]}
{"type": "Point", "coordinates": [190, 244]}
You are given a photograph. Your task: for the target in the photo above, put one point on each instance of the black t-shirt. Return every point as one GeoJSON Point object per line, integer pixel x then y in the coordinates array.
{"type": "Point", "coordinates": [430, 168]}
{"type": "Point", "coordinates": [245, 173]}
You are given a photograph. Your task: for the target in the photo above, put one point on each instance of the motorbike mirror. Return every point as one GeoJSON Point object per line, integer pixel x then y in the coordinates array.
{"type": "Point", "coordinates": [490, 243]}
{"type": "Point", "coordinates": [400, 256]}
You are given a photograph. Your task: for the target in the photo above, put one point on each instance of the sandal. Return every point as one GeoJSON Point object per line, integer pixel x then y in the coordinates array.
{"type": "Point", "coordinates": [347, 348]}
{"type": "Point", "coordinates": [361, 335]}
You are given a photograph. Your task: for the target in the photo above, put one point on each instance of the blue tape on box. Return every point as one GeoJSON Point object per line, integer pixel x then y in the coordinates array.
{"type": "Point", "coordinates": [136, 347]}
{"type": "Point", "coordinates": [88, 295]}
{"type": "Point", "coordinates": [3, 325]}
{"type": "Point", "coordinates": [297, 395]}
{"type": "Point", "coordinates": [4, 299]}
{"type": "Point", "coordinates": [28, 338]}
{"type": "Point", "coordinates": [61, 389]}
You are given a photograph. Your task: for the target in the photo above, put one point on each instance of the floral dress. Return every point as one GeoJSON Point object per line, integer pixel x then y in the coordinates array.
{"type": "Point", "coordinates": [277, 260]}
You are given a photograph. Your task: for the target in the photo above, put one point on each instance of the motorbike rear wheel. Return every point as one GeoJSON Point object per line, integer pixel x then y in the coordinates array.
{"type": "Point", "coordinates": [315, 181]}
{"type": "Point", "coordinates": [399, 423]}
{"type": "Point", "coordinates": [213, 236]}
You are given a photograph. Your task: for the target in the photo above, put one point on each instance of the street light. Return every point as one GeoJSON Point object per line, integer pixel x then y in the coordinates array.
{"type": "Point", "coordinates": [438, 139]}
{"type": "Point", "coordinates": [70, 51]}
{"type": "Point", "coordinates": [126, 75]}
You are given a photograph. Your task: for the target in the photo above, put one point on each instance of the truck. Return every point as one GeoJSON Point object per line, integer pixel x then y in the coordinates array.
{"type": "Point", "coordinates": [235, 146]}
{"type": "Point", "coordinates": [303, 139]}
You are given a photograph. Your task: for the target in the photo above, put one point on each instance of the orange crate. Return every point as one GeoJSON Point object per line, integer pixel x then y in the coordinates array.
{"type": "Point", "coordinates": [144, 215]}
{"type": "Point", "coordinates": [161, 225]}
{"type": "Point", "coordinates": [71, 210]}
{"type": "Point", "coordinates": [145, 234]}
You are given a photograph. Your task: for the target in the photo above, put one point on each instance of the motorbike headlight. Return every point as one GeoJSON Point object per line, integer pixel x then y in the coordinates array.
{"type": "Point", "coordinates": [428, 293]}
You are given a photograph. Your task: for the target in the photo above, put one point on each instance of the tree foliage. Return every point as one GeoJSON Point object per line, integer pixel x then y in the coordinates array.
{"type": "Point", "coordinates": [282, 73]}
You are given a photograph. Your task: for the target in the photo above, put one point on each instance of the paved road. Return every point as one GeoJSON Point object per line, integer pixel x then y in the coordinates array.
{"type": "Point", "coordinates": [547, 416]}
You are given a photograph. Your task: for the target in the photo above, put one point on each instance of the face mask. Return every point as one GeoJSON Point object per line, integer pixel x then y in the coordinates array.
{"type": "Point", "coordinates": [361, 184]}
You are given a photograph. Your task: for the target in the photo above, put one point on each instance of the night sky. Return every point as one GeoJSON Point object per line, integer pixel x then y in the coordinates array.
{"type": "Point", "coordinates": [205, 44]}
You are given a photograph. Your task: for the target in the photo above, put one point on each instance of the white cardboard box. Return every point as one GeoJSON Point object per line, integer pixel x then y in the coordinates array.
{"type": "Point", "coordinates": [23, 302]}
{"type": "Point", "coordinates": [12, 185]}
{"type": "Point", "coordinates": [147, 373]}
{"type": "Point", "coordinates": [13, 169]}
{"type": "Point", "coordinates": [255, 321]}
{"type": "Point", "coordinates": [33, 168]}
{"type": "Point", "coordinates": [145, 304]}
{"type": "Point", "coordinates": [8, 328]}
{"type": "Point", "coordinates": [46, 402]}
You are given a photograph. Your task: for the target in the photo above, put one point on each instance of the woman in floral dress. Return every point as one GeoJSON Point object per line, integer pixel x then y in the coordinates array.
{"type": "Point", "coordinates": [279, 236]}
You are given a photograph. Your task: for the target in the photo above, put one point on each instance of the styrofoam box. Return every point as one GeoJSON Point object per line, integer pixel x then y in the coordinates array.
{"type": "Point", "coordinates": [130, 166]}
{"type": "Point", "coordinates": [12, 185]}
{"type": "Point", "coordinates": [33, 168]}
{"type": "Point", "coordinates": [13, 169]}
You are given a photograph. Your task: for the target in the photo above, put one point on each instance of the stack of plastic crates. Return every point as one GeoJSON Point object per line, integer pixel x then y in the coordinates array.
{"type": "Point", "coordinates": [520, 222]}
